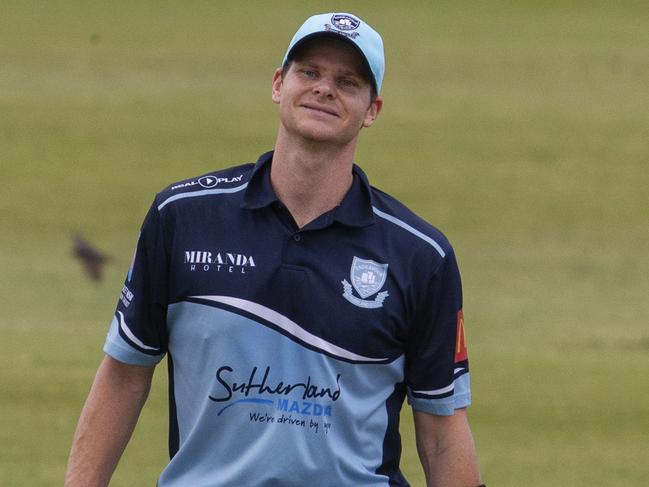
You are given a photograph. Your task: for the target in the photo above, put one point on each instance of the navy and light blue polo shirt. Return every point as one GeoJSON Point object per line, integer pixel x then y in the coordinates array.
{"type": "Point", "coordinates": [290, 351]}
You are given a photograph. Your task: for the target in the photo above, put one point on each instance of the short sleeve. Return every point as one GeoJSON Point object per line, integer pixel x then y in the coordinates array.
{"type": "Point", "coordinates": [437, 366]}
{"type": "Point", "coordinates": [137, 334]}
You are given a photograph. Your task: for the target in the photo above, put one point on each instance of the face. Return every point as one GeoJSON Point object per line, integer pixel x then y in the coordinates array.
{"type": "Point", "coordinates": [324, 96]}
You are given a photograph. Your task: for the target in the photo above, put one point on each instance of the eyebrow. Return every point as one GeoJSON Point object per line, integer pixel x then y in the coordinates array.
{"type": "Point", "coordinates": [347, 72]}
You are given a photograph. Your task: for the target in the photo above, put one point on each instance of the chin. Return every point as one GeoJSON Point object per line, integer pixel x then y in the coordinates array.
{"type": "Point", "coordinates": [318, 134]}
{"type": "Point", "coordinates": [323, 133]}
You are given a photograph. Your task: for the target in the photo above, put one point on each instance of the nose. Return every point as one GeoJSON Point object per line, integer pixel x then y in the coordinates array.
{"type": "Point", "coordinates": [324, 87]}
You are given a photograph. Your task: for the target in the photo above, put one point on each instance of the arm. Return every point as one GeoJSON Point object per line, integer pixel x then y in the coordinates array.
{"type": "Point", "coordinates": [107, 421]}
{"type": "Point", "coordinates": [446, 450]}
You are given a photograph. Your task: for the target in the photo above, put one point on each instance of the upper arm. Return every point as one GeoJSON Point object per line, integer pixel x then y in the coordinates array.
{"type": "Point", "coordinates": [437, 366]}
{"type": "Point", "coordinates": [107, 421]}
{"type": "Point", "coordinates": [431, 429]}
{"type": "Point", "coordinates": [131, 378]}
{"type": "Point", "coordinates": [446, 449]}
{"type": "Point", "coordinates": [138, 332]}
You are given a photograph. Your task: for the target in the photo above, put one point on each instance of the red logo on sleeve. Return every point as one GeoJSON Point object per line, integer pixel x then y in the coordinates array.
{"type": "Point", "coordinates": [460, 339]}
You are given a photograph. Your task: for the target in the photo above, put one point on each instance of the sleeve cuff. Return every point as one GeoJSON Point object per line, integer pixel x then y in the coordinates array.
{"type": "Point", "coordinates": [440, 407]}
{"type": "Point", "coordinates": [455, 396]}
{"type": "Point", "coordinates": [127, 355]}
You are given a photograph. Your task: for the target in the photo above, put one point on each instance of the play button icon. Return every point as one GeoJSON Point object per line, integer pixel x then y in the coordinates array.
{"type": "Point", "coordinates": [208, 181]}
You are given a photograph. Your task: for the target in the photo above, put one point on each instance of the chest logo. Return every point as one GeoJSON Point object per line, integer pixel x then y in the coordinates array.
{"type": "Point", "coordinates": [203, 260]}
{"type": "Point", "coordinates": [368, 277]}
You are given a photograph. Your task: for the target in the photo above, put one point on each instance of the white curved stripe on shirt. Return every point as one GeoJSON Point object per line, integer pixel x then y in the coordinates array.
{"type": "Point", "coordinates": [443, 390]}
{"type": "Point", "coordinates": [204, 192]}
{"type": "Point", "coordinates": [410, 229]}
{"type": "Point", "coordinates": [127, 331]}
{"type": "Point", "coordinates": [435, 392]}
{"type": "Point", "coordinates": [289, 326]}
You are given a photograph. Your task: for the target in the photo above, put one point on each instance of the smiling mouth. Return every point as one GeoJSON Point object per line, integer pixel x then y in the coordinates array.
{"type": "Point", "coordinates": [320, 110]}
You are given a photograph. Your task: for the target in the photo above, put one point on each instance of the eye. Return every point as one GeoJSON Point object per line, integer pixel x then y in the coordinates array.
{"type": "Point", "coordinates": [347, 83]}
{"type": "Point", "coordinates": [309, 73]}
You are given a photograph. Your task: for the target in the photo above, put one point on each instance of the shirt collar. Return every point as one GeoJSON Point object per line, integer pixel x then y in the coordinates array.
{"type": "Point", "coordinates": [354, 210]}
{"type": "Point", "coordinates": [259, 192]}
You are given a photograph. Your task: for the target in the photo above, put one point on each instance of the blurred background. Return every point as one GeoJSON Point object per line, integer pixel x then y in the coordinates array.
{"type": "Point", "coordinates": [519, 128]}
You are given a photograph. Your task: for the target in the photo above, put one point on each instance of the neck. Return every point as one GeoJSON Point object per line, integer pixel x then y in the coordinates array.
{"type": "Point", "coordinates": [310, 178]}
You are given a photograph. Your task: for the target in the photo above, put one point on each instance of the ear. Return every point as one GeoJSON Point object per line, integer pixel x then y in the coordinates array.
{"type": "Point", "coordinates": [373, 111]}
{"type": "Point", "coordinates": [277, 85]}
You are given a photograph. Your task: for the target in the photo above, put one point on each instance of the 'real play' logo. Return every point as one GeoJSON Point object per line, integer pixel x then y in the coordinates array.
{"type": "Point", "coordinates": [231, 262]}
{"type": "Point", "coordinates": [208, 182]}
{"type": "Point", "coordinates": [368, 277]}
{"type": "Point", "coordinates": [212, 181]}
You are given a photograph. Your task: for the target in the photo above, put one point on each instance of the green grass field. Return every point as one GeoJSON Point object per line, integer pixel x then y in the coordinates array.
{"type": "Point", "coordinates": [521, 129]}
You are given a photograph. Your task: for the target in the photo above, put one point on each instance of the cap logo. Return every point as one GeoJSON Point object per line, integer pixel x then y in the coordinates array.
{"type": "Point", "coordinates": [345, 22]}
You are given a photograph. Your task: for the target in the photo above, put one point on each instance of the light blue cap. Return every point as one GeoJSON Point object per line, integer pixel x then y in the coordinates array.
{"type": "Point", "coordinates": [350, 28]}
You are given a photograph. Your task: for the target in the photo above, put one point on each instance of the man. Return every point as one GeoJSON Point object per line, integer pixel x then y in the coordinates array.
{"type": "Point", "coordinates": [297, 306]}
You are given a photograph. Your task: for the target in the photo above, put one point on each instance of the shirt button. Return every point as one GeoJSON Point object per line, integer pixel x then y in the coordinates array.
{"type": "Point", "coordinates": [297, 237]}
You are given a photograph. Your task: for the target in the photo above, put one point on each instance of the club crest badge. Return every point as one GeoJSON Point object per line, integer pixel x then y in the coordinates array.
{"type": "Point", "coordinates": [345, 22]}
{"type": "Point", "coordinates": [367, 278]}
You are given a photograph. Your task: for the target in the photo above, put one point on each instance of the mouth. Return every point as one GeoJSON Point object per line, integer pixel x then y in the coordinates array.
{"type": "Point", "coordinates": [320, 109]}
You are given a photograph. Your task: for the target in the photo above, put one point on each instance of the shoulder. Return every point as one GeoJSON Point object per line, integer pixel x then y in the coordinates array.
{"type": "Point", "coordinates": [224, 181]}
{"type": "Point", "coordinates": [406, 226]}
